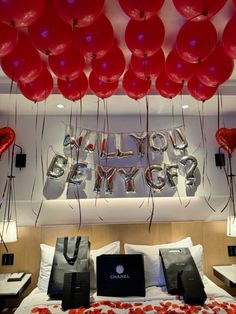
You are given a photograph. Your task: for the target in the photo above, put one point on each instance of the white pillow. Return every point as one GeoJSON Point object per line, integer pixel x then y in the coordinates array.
{"type": "Point", "coordinates": [154, 275]}
{"type": "Point", "coordinates": [197, 254]}
{"type": "Point", "coordinates": [47, 254]}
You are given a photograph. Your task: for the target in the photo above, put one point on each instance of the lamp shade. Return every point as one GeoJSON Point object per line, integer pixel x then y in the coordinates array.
{"type": "Point", "coordinates": [231, 226]}
{"type": "Point", "coordinates": [8, 231]}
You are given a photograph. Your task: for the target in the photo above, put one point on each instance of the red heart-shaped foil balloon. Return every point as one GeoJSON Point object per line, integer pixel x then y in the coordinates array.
{"type": "Point", "coordinates": [227, 139]}
{"type": "Point", "coordinates": [7, 136]}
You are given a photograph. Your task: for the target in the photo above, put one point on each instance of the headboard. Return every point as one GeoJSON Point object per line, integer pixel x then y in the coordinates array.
{"type": "Point", "coordinates": [212, 235]}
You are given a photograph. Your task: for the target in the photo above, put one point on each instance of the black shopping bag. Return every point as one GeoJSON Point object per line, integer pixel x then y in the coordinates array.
{"type": "Point", "coordinates": [191, 287]}
{"type": "Point", "coordinates": [71, 255]}
{"type": "Point", "coordinates": [76, 290]}
{"type": "Point", "coordinates": [176, 261]}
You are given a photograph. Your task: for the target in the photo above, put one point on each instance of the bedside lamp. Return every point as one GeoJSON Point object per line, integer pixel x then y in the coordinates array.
{"type": "Point", "coordinates": [231, 226]}
{"type": "Point", "coordinates": [8, 233]}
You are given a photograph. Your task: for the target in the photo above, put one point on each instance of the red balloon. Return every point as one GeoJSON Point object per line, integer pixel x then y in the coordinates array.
{"type": "Point", "coordinates": [195, 41]}
{"type": "Point", "coordinates": [110, 67]}
{"type": "Point", "coordinates": [24, 63]}
{"type": "Point", "coordinates": [75, 89]}
{"type": "Point", "coordinates": [79, 13]}
{"type": "Point", "coordinates": [68, 65]}
{"type": "Point", "coordinates": [178, 69]}
{"type": "Point", "coordinates": [145, 38]}
{"type": "Point", "coordinates": [141, 10]}
{"type": "Point", "coordinates": [216, 69]}
{"type": "Point", "coordinates": [100, 88]}
{"type": "Point", "coordinates": [147, 68]}
{"type": "Point", "coordinates": [49, 33]}
{"type": "Point", "coordinates": [229, 38]}
{"type": "Point", "coordinates": [20, 13]}
{"type": "Point", "coordinates": [40, 88]}
{"type": "Point", "coordinates": [198, 10]}
{"type": "Point", "coordinates": [166, 87]}
{"type": "Point", "coordinates": [234, 3]}
{"type": "Point", "coordinates": [8, 39]}
{"type": "Point", "coordinates": [200, 91]}
{"type": "Point", "coordinates": [7, 136]}
{"type": "Point", "coordinates": [227, 139]}
{"type": "Point", "coordinates": [97, 39]}
{"type": "Point", "coordinates": [135, 87]}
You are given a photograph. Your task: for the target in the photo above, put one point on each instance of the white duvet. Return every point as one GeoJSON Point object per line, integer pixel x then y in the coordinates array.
{"type": "Point", "coordinates": [157, 300]}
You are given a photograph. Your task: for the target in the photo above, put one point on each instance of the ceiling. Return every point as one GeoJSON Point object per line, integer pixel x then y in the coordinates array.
{"type": "Point", "coordinates": [119, 103]}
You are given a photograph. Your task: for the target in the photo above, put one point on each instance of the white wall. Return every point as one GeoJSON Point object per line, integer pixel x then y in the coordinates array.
{"type": "Point", "coordinates": [118, 207]}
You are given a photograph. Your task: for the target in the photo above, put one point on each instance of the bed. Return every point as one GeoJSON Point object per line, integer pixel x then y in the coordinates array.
{"type": "Point", "coordinates": [157, 300]}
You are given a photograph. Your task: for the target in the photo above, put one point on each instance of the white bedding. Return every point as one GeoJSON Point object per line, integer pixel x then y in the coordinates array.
{"type": "Point", "coordinates": [157, 300]}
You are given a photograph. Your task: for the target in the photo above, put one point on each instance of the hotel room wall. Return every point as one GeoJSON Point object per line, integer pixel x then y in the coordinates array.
{"type": "Point", "coordinates": [167, 208]}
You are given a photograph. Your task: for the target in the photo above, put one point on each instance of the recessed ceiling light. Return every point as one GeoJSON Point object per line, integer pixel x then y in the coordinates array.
{"type": "Point", "coordinates": [60, 106]}
{"type": "Point", "coordinates": [185, 106]}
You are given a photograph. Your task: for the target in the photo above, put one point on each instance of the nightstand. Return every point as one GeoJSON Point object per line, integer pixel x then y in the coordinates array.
{"type": "Point", "coordinates": [227, 274]}
{"type": "Point", "coordinates": [13, 289]}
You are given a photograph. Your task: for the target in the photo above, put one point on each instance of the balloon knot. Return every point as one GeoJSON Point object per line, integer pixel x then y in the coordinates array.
{"type": "Point", "coordinates": [75, 21]}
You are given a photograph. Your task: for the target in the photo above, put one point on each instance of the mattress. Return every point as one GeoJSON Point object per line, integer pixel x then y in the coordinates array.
{"type": "Point", "coordinates": [157, 300]}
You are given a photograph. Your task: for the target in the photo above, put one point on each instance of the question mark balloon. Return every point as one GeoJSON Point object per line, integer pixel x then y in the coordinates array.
{"type": "Point", "coordinates": [189, 163]}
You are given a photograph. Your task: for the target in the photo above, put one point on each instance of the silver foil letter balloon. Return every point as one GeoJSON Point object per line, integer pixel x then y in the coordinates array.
{"type": "Point", "coordinates": [171, 175]}
{"type": "Point", "coordinates": [140, 139]}
{"type": "Point", "coordinates": [189, 164]}
{"type": "Point", "coordinates": [178, 139]}
{"type": "Point", "coordinates": [119, 152]}
{"type": "Point", "coordinates": [129, 176]}
{"type": "Point", "coordinates": [155, 177]}
{"type": "Point", "coordinates": [57, 166]}
{"type": "Point", "coordinates": [77, 174]}
{"type": "Point", "coordinates": [161, 138]}
{"type": "Point", "coordinates": [104, 179]}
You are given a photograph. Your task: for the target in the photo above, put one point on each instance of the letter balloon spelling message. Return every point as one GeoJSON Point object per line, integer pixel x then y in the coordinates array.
{"type": "Point", "coordinates": [140, 142]}
{"type": "Point", "coordinates": [189, 165]}
{"type": "Point", "coordinates": [104, 146]}
{"type": "Point", "coordinates": [129, 176]}
{"type": "Point", "coordinates": [57, 166]}
{"type": "Point", "coordinates": [161, 139]}
{"type": "Point", "coordinates": [119, 152]}
{"type": "Point", "coordinates": [106, 176]}
{"type": "Point", "coordinates": [171, 174]}
{"type": "Point", "coordinates": [78, 173]}
{"type": "Point", "coordinates": [157, 182]}
{"type": "Point", "coordinates": [173, 137]}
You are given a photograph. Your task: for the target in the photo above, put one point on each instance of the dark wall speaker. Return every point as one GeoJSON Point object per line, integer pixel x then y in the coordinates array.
{"type": "Point", "coordinates": [220, 160]}
{"type": "Point", "coordinates": [20, 160]}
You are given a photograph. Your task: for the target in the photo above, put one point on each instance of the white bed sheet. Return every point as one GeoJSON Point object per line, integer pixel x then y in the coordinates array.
{"type": "Point", "coordinates": [40, 299]}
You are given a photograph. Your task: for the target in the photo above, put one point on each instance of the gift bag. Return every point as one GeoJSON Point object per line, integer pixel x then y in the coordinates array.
{"type": "Point", "coordinates": [176, 261]}
{"type": "Point", "coordinates": [191, 287]}
{"type": "Point", "coordinates": [76, 290]}
{"type": "Point", "coordinates": [71, 255]}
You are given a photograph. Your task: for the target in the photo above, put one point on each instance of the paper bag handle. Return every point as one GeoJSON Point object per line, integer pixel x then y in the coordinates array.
{"type": "Point", "coordinates": [71, 260]}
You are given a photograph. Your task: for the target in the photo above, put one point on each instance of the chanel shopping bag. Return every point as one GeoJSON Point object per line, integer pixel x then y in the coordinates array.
{"type": "Point", "coordinates": [71, 255]}
{"type": "Point", "coordinates": [120, 275]}
{"type": "Point", "coordinates": [76, 290]}
{"type": "Point", "coordinates": [174, 262]}
{"type": "Point", "coordinates": [191, 287]}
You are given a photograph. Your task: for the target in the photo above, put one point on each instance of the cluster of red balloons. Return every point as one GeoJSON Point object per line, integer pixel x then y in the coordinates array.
{"type": "Point", "coordinates": [197, 58]}
{"type": "Point", "coordinates": [40, 37]}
